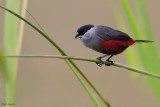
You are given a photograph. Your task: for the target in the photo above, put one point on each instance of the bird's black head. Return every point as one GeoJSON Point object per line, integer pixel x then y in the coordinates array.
{"type": "Point", "coordinates": [83, 29]}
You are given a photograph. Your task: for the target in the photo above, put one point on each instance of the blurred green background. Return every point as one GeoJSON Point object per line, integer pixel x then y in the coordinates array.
{"type": "Point", "coordinates": [49, 82]}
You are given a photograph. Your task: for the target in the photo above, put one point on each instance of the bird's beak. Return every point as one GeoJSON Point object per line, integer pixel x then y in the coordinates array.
{"type": "Point", "coordinates": [77, 35]}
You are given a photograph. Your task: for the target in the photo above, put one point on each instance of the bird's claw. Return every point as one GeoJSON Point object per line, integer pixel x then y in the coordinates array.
{"type": "Point", "coordinates": [99, 63]}
{"type": "Point", "coordinates": [110, 63]}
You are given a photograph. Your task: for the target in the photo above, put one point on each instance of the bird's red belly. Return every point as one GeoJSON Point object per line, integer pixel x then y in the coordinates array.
{"type": "Point", "coordinates": [114, 47]}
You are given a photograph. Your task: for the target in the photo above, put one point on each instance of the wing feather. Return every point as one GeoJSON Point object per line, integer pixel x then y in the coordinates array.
{"type": "Point", "coordinates": [107, 33]}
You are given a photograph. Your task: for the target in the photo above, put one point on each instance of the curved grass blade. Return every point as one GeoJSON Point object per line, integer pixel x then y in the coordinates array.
{"type": "Point", "coordinates": [62, 53]}
{"type": "Point", "coordinates": [84, 86]}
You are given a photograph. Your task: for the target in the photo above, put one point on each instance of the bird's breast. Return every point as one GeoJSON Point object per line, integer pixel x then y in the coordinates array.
{"type": "Point", "coordinates": [93, 43]}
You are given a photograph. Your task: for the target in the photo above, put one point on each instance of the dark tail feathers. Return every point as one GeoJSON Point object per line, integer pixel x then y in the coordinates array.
{"type": "Point", "coordinates": [143, 41]}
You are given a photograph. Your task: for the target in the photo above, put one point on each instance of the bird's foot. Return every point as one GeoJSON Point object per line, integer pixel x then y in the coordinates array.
{"type": "Point", "coordinates": [99, 63]}
{"type": "Point", "coordinates": [110, 63]}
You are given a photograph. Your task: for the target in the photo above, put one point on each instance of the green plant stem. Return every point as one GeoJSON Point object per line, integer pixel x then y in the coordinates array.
{"type": "Point", "coordinates": [90, 60]}
{"type": "Point", "coordinates": [61, 52]}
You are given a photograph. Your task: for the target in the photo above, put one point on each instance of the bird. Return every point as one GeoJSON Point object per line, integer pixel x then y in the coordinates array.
{"type": "Point", "coordinates": [105, 40]}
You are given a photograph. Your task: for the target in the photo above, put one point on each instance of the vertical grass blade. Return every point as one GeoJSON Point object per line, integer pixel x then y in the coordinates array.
{"type": "Point", "coordinates": [21, 27]}
{"type": "Point", "coordinates": [148, 53]}
{"type": "Point", "coordinates": [10, 42]}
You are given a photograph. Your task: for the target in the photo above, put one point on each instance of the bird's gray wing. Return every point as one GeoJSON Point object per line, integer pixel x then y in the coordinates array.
{"type": "Point", "coordinates": [107, 33]}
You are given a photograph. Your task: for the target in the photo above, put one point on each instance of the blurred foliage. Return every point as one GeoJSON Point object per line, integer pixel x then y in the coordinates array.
{"type": "Point", "coordinates": [10, 44]}
{"type": "Point", "coordinates": [3, 67]}
{"type": "Point", "coordinates": [141, 29]}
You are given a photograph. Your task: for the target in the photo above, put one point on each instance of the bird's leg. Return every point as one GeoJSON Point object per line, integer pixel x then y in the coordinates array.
{"type": "Point", "coordinates": [100, 59]}
{"type": "Point", "coordinates": [111, 62]}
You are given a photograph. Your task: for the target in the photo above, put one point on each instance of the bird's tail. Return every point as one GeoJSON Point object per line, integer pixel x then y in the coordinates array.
{"type": "Point", "coordinates": [146, 41]}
